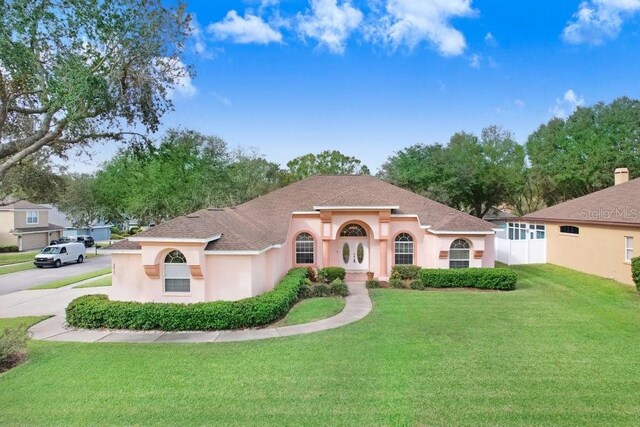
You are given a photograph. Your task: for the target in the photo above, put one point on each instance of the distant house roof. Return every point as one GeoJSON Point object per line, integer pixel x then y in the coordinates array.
{"type": "Point", "coordinates": [264, 221]}
{"type": "Point", "coordinates": [617, 205]}
{"type": "Point", "coordinates": [11, 204]}
{"type": "Point", "coordinates": [496, 214]}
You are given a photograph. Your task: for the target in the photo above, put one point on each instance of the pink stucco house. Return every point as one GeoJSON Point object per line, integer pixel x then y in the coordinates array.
{"type": "Point", "coordinates": [357, 222]}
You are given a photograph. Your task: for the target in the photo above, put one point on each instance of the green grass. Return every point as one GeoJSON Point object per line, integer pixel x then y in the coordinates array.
{"type": "Point", "coordinates": [75, 279]}
{"type": "Point", "coordinates": [309, 310]}
{"type": "Point", "coordinates": [16, 257]}
{"type": "Point", "coordinates": [16, 267]}
{"type": "Point", "coordinates": [16, 321]}
{"type": "Point", "coordinates": [562, 349]}
{"type": "Point", "coordinates": [104, 281]}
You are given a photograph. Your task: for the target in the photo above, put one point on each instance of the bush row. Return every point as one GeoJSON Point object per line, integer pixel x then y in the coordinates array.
{"type": "Point", "coordinates": [97, 311]}
{"type": "Point", "coordinates": [329, 274]}
{"type": "Point", "coordinates": [7, 249]}
{"type": "Point", "coordinates": [482, 278]}
{"type": "Point", "coordinates": [336, 288]}
{"type": "Point", "coordinates": [405, 272]}
{"type": "Point", "coordinates": [635, 272]}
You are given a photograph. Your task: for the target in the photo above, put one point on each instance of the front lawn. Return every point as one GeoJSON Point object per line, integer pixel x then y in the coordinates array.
{"type": "Point", "coordinates": [16, 257]}
{"type": "Point", "coordinates": [14, 268]}
{"type": "Point", "coordinates": [102, 281]}
{"type": "Point", "coordinates": [312, 309]}
{"type": "Point", "coordinates": [562, 349]}
{"type": "Point", "coordinates": [74, 279]}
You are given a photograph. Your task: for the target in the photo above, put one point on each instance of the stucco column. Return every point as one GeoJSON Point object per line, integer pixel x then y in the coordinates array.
{"type": "Point", "coordinates": [325, 253]}
{"type": "Point", "coordinates": [383, 258]}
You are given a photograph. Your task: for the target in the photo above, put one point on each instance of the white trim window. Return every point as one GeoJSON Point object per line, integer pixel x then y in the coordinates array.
{"type": "Point", "coordinates": [517, 231]}
{"type": "Point", "coordinates": [176, 273]}
{"type": "Point", "coordinates": [459, 254]}
{"type": "Point", "coordinates": [537, 231]}
{"type": "Point", "coordinates": [628, 248]}
{"type": "Point", "coordinates": [403, 249]}
{"type": "Point", "coordinates": [304, 249]}
{"type": "Point", "coordinates": [33, 217]}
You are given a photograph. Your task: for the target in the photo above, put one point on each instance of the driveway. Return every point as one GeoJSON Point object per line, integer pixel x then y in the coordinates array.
{"type": "Point", "coordinates": [26, 279]}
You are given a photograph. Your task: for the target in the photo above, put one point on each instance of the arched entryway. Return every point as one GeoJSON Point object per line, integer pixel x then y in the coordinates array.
{"type": "Point", "coordinates": [354, 247]}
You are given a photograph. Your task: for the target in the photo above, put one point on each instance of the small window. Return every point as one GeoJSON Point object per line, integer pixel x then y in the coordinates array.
{"type": "Point", "coordinates": [304, 249]}
{"type": "Point", "coordinates": [176, 273]}
{"type": "Point", "coordinates": [63, 250]}
{"type": "Point", "coordinates": [459, 253]}
{"type": "Point", "coordinates": [517, 231]}
{"type": "Point", "coordinates": [353, 230]}
{"type": "Point", "coordinates": [32, 217]}
{"type": "Point", "coordinates": [404, 249]}
{"type": "Point", "coordinates": [628, 248]}
{"type": "Point", "coordinates": [569, 229]}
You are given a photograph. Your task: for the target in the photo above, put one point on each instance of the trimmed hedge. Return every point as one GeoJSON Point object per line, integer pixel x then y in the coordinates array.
{"type": "Point", "coordinates": [635, 272]}
{"type": "Point", "coordinates": [405, 272]}
{"type": "Point", "coordinates": [481, 278]}
{"type": "Point", "coordinates": [8, 249]}
{"type": "Point", "coordinates": [97, 311]}
{"type": "Point", "coordinates": [329, 274]}
{"type": "Point", "coordinates": [372, 284]}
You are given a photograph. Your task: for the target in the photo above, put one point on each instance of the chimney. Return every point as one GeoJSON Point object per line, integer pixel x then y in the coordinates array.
{"type": "Point", "coordinates": [621, 175]}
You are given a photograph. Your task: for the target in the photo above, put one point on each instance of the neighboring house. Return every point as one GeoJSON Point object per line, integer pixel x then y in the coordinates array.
{"type": "Point", "coordinates": [499, 217]}
{"type": "Point", "coordinates": [26, 225]}
{"type": "Point", "coordinates": [357, 222]}
{"type": "Point", "coordinates": [598, 233]}
{"type": "Point", "coordinates": [101, 231]}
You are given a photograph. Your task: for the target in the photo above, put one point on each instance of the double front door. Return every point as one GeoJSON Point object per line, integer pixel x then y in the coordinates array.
{"type": "Point", "coordinates": [354, 254]}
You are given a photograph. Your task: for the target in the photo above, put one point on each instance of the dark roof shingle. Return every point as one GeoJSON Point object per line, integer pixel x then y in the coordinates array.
{"type": "Point", "coordinates": [619, 204]}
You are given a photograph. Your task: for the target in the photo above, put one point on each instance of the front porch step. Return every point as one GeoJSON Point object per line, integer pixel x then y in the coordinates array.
{"type": "Point", "coordinates": [355, 276]}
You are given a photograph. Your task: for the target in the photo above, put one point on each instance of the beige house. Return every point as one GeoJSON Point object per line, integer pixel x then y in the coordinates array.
{"type": "Point", "coordinates": [597, 234]}
{"type": "Point", "coordinates": [26, 225]}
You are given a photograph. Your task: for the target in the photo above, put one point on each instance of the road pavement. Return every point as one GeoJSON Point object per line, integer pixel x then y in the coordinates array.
{"type": "Point", "coordinates": [26, 279]}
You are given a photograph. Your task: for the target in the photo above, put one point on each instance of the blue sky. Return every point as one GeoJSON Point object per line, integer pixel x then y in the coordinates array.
{"type": "Point", "coordinates": [369, 77]}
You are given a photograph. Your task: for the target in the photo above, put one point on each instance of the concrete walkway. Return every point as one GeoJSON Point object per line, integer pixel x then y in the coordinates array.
{"type": "Point", "coordinates": [358, 305]}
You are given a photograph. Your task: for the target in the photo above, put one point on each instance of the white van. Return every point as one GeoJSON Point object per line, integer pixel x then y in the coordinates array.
{"type": "Point", "coordinates": [64, 253]}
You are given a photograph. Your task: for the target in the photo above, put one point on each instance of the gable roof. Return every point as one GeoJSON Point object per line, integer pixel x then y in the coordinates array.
{"type": "Point", "coordinates": [264, 221]}
{"type": "Point", "coordinates": [11, 204]}
{"type": "Point", "coordinates": [617, 205]}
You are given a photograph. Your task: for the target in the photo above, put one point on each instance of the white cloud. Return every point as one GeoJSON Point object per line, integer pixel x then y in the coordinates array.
{"type": "Point", "coordinates": [411, 22]}
{"type": "Point", "coordinates": [221, 98]}
{"type": "Point", "coordinates": [199, 44]}
{"type": "Point", "coordinates": [567, 105]}
{"type": "Point", "coordinates": [243, 30]}
{"type": "Point", "coordinates": [519, 104]}
{"type": "Point", "coordinates": [184, 86]}
{"type": "Point", "coordinates": [474, 62]}
{"type": "Point", "coordinates": [330, 23]}
{"type": "Point", "coordinates": [599, 20]}
{"type": "Point", "coordinates": [490, 40]}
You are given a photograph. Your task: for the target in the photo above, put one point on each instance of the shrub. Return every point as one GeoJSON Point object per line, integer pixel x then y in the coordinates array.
{"type": "Point", "coordinates": [97, 311]}
{"type": "Point", "coordinates": [481, 278]}
{"type": "Point", "coordinates": [635, 271]}
{"type": "Point", "coordinates": [311, 274]}
{"type": "Point", "coordinates": [329, 274]}
{"type": "Point", "coordinates": [396, 283]}
{"type": "Point", "coordinates": [7, 249]}
{"type": "Point", "coordinates": [307, 291]}
{"type": "Point", "coordinates": [321, 290]}
{"type": "Point", "coordinates": [307, 281]}
{"type": "Point", "coordinates": [372, 284]}
{"type": "Point", "coordinates": [13, 347]}
{"type": "Point", "coordinates": [405, 272]}
{"type": "Point", "coordinates": [417, 285]}
{"type": "Point", "coordinates": [338, 288]}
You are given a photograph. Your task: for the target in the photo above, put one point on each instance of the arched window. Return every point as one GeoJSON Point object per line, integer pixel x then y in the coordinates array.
{"type": "Point", "coordinates": [176, 273]}
{"type": "Point", "coordinates": [304, 249]}
{"type": "Point", "coordinates": [459, 254]}
{"type": "Point", "coordinates": [353, 230]}
{"type": "Point", "coordinates": [404, 249]}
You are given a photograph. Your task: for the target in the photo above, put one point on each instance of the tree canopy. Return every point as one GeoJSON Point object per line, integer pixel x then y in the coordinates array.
{"type": "Point", "coordinates": [577, 156]}
{"type": "Point", "coordinates": [76, 72]}
{"type": "Point", "coordinates": [471, 173]}
{"type": "Point", "coordinates": [325, 163]}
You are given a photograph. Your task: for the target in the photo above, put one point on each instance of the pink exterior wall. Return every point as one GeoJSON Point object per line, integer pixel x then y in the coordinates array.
{"type": "Point", "coordinates": [228, 276]}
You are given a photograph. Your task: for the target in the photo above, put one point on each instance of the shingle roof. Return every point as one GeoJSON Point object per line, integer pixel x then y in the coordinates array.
{"type": "Point", "coordinates": [617, 205]}
{"type": "Point", "coordinates": [9, 204]}
{"type": "Point", "coordinates": [264, 221]}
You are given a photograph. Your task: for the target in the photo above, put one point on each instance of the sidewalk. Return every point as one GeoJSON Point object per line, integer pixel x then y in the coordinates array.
{"type": "Point", "coordinates": [358, 305]}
